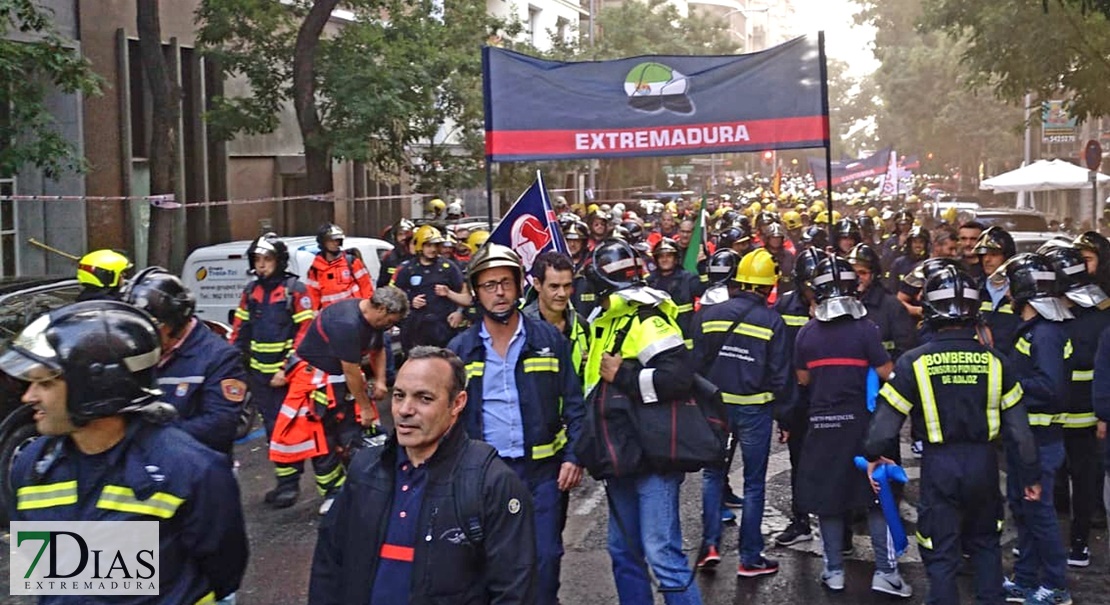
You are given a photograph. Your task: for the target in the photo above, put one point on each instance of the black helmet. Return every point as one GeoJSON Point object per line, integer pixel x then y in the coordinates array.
{"type": "Point", "coordinates": [106, 351]}
{"type": "Point", "coordinates": [1031, 276]}
{"type": "Point", "coordinates": [834, 278]}
{"type": "Point", "coordinates": [773, 230]}
{"type": "Point", "coordinates": [1071, 267]}
{"type": "Point", "coordinates": [722, 265]}
{"type": "Point", "coordinates": [576, 230]}
{"type": "Point", "coordinates": [815, 236]}
{"type": "Point", "coordinates": [950, 296]}
{"type": "Point", "coordinates": [996, 239]}
{"type": "Point", "coordinates": [329, 231]}
{"type": "Point", "coordinates": [567, 219]}
{"type": "Point", "coordinates": [903, 217]}
{"type": "Point", "coordinates": [744, 221]}
{"type": "Point", "coordinates": [1097, 243]}
{"type": "Point", "coordinates": [765, 218]}
{"type": "Point", "coordinates": [635, 231]}
{"type": "Point", "coordinates": [664, 246]}
{"type": "Point", "coordinates": [614, 266]}
{"type": "Point", "coordinates": [269, 244]}
{"type": "Point", "coordinates": [848, 227]}
{"type": "Point", "coordinates": [922, 271]}
{"type": "Point", "coordinates": [733, 235]}
{"type": "Point", "coordinates": [862, 254]}
{"type": "Point", "coordinates": [806, 264]}
{"type": "Point", "coordinates": [163, 295]}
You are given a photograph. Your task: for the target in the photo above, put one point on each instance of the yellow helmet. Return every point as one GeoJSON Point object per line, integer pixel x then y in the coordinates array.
{"type": "Point", "coordinates": [816, 207]}
{"type": "Point", "coordinates": [792, 219]}
{"type": "Point", "coordinates": [950, 215]}
{"type": "Point", "coordinates": [426, 234]}
{"type": "Point", "coordinates": [756, 208]}
{"type": "Point", "coordinates": [758, 268]}
{"type": "Point", "coordinates": [476, 240]}
{"type": "Point", "coordinates": [103, 268]}
{"type": "Point", "coordinates": [801, 207]}
{"type": "Point", "coordinates": [836, 216]}
{"type": "Point", "coordinates": [872, 212]}
{"type": "Point", "coordinates": [771, 208]}
{"type": "Point", "coordinates": [435, 206]}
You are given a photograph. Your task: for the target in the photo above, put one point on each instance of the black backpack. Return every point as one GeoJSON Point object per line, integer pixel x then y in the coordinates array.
{"type": "Point", "coordinates": [467, 480]}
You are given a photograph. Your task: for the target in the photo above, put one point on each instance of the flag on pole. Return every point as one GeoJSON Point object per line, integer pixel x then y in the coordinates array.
{"type": "Point", "coordinates": [697, 241]}
{"type": "Point", "coordinates": [530, 227]}
{"type": "Point", "coordinates": [776, 184]}
{"type": "Point", "coordinates": [890, 179]}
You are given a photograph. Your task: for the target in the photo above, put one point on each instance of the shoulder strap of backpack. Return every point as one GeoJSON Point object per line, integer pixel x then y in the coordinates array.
{"type": "Point", "coordinates": [289, 282]}
{"type": "Point", "coordinates": [468, 479]}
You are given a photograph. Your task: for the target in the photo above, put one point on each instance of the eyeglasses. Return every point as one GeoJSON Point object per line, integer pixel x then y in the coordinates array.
{"type": "Point", "coordinates": [493, 286]}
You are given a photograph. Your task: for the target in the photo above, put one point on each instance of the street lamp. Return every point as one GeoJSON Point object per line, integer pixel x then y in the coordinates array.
{"type": "Point", "coordinates": [745, 11]}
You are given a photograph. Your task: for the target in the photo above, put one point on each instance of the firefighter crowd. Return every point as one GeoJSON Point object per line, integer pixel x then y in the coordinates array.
{"type": "Point", "coordinates": [821, 330]}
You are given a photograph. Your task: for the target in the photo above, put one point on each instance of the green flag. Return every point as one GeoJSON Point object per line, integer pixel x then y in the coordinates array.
{"type": "Point", "coordinates": [697, 241]}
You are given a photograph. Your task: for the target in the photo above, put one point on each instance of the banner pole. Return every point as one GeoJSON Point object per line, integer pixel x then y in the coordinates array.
{"type": "Point", "coordinates": [828, 137]}
{"type": "Point", "coordinates": [489, 192]}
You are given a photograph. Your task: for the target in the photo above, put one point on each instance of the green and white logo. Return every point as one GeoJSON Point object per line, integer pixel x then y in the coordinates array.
{"type": "Point", "coordinates": [652, 87]}
{"type": "Point", "coordinates": [84, 558]}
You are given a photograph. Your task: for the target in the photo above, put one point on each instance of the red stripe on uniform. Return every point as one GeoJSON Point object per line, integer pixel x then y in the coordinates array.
{"type": "Point", "coordinates": [653, 139]}
{"type": "Point", "coordinates": [837, 361]}
{"type": "Point", "coordinates": [396, 553]}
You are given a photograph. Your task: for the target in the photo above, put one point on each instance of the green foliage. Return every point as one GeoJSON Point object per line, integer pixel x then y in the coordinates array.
{"type": "Point", "coordinates": [930, 99]}
{"type": "Point", "coordinates": [1016, 47]}
{"type": "Point", "coordinates": [34, 58]}
{"type": "Point", "coordinates": [386, 87]}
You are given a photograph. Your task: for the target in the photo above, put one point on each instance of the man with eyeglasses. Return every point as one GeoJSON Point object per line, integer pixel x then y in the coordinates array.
{"type": "Point", "coordinates": [524, 398]}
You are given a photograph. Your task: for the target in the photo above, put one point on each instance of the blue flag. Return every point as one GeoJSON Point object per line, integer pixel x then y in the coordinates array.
{"type": "Point", "coordinates": [530, 227]}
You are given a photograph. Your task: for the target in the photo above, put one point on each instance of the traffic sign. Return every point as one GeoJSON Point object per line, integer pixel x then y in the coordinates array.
{"type": "Point", "coordinates": [1093, 154]}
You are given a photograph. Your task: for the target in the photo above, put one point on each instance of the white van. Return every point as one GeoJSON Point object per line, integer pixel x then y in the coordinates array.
{"type": "Point", "coordinates": [217, 274]}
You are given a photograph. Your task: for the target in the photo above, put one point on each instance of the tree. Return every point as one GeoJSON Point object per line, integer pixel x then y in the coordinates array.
{"type": "Point", "coordinates": [377, 90]}
{"type": "Point", "coordinates": [165, 108]}
{"type": "Point", "coordinates": [929, 99]}
{"type": "Point", "coordinates": [852, 106]}
{"type": "Point", "coordinates": [34, 57]}
{"type": "Point", "coordinates": [1058, 49]}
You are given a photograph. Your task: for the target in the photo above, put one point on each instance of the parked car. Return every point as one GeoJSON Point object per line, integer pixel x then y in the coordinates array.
{"type": "Point", "coordinates": [1013, 220]}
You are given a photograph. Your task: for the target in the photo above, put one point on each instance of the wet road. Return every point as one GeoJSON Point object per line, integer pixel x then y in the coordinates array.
{"type": "Point", "coordinates": [282, 543]}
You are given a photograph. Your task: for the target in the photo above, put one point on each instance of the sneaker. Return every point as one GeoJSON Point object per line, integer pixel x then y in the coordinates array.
{"type": "Point", "coordinates": [282, 497]}
{"type": "Point", "coordinates": [1015, 593]}
{"type": "Point", "coordinates": [762, 567]}
{"type": "Point", "coordinates": [891, 582]}
{"type": "Point", "coordinates": [916, 448]}
{"type": "Point", "coordinates": [833, 580]}
{"type": "Point", "coordinates": [326, 505]}
{"type": "Point", "coordinates": [1049, 596]}
{"type": "Point", "coordinates": [708, 558]}
{"type": "Point", "coordinates": [734, 501]}
{"type": "Point", "coordinates": [727, 516]}
{"type": "Point", "coordinates": [797, 531]}
{"type": "Point", "coordinates": [1079, 556]}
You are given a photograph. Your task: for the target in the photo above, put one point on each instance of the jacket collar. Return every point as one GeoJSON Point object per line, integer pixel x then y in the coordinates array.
{"type": "Point", "coordinates": [441, 461]}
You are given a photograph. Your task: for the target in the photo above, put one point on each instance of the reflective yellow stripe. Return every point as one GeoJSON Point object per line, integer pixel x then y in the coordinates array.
{"type": "Point", "coordinates": [923, 541]}
{"type": "Point", "coordinates": [541, 364]}
{"type": "Point", "coordinates": [998, 525]}
{"type": "Point", "coordinates": [1068, 349]}
{"type": "Point", "coordinates": [547, 450]}
{"type": "Point", "coordinates": [994, 398]}
{"type": "Point", "coordinates": [795, 321]}
{"type": "Point", "coordinates": [242, 314]}
{"type": "Point", "coordinates": [703, 279]}
{"type": "Point", "coordinates": [266, 368]}
{"type": "Point", "coordinates": [685, 308]}
{"type": "Point", "coordinates": [207, 599]}
{"type": "Point", "coordinates": [888, 345]}
{"type": "Point", "coordinates": [1024, 347]}
{"type": "Point", "coordinates": [1076, 420]}
{"type": "Point", "coordinates": [46, 496]}
{"type": "Point", "coordinates": [754, 331]}
{"type": "Point", "coordinates": [1013, 397]}
{"type": "Point", "coordinates": [1040, 419]}
{"type": "Point", "coordinates": [320, 397]}
{"type": "Point", "coordinates": [1006, 308]}
{"type": "Point", "coordinates": [305, 315]}
{"type": "Point", "coordinates": [588, 297]}
{"type": "Point", "coordinates": [271, 347]}
{"type": "Point", "coordinates": [285, 471]}
{"type": "Point", "coordinates": [928, 401]}
{"type": "Point", "coordinates": [122, 499]}
{"type": "Point", "coordinates": [755, 399]}
{"type": "Point", "coordinates": [475, 368]}
{"type": "Point", "coordinates": [709, 327]}
{"type": "Point", "coordinates": [689, 344]}
{"type": "Point", "coordinates": [895, 399]}
{"type": "Point", "coordinates": [1082, 375]}
{"type": "Point", "coordinates": [986, 306]}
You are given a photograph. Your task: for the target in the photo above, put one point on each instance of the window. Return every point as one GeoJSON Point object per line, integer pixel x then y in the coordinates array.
{"type": "Point", "coordinates": [534, 29]}
{"type": "Point", "coordinates": [9, 265]}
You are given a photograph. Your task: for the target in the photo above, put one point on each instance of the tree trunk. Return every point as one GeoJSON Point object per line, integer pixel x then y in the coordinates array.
{"type": "Point", "coordinates": [317, 154]}
{"type": "Point", "coordinates": [165, 96]}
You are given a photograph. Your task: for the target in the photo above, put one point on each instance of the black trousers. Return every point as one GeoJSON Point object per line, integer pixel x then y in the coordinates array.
{"type": "Point", "coordinates": [1080, 478]}
{"type": "Point", "coordinates": [959, 489]}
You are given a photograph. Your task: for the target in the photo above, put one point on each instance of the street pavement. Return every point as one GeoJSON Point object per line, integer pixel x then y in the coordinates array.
{"type": "Point", "coordinates": [282, 542]}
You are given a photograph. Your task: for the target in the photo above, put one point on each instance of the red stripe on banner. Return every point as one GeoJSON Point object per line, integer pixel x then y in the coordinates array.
{"type": "Point", "coordinates": [837, 361]}
{"type": "Point", "coordinates": [653, 139]}
{"type": "Point", "coordinates": [396, 553]}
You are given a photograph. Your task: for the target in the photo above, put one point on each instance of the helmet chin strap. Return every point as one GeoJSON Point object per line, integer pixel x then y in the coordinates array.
{"type": "Point", "coordinates": [501, 318]}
